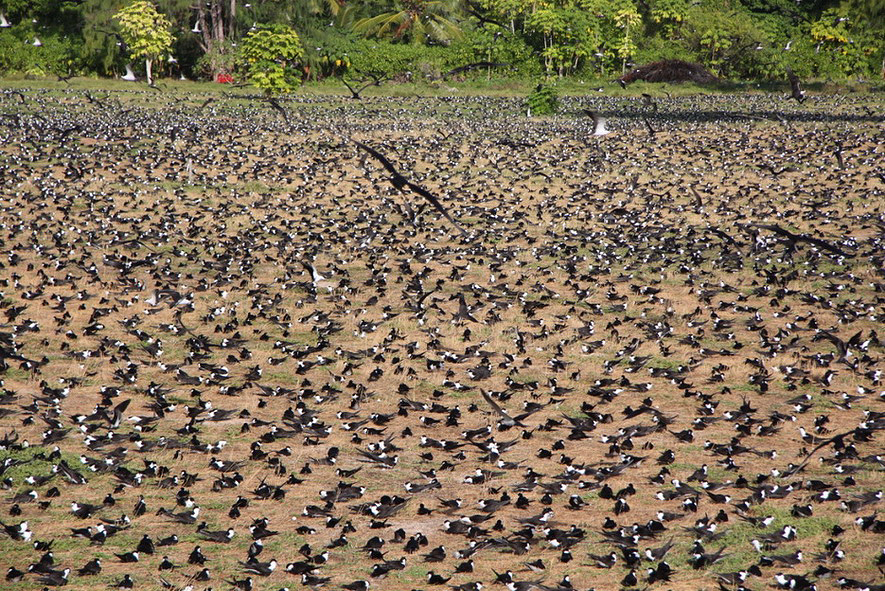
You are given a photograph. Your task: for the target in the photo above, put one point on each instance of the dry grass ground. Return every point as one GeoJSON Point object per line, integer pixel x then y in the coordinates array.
{"type": "Point", "coordinates": [648, 237]}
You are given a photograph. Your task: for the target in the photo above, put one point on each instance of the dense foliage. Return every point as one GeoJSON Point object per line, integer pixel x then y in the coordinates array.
{"type": "Point", "coordinates": [271, 55]}
{"type": "Point", "coordinates": [542, 101]}
{"type": "Point", "coordinates": [411, 39]}
{"type": "Point", "coordinates": [145, 32]}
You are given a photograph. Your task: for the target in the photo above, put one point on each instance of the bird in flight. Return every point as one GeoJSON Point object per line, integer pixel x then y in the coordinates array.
{"type": "Point", "coordinates": [355, 92]}
{"type": "Point", "coordinates": [598, 122]}
{"type": "Point", "coordinates": [796, 91]}
{"type": "Point", "coordinates": [401, 183]}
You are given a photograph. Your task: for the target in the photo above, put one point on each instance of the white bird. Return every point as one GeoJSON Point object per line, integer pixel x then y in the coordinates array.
{"type": "Point", "coordinates": [129, 75]}
{"type": "Point", "coordinates": [598, 122]}
{"type": "Point", "coordinates": [319, 281]}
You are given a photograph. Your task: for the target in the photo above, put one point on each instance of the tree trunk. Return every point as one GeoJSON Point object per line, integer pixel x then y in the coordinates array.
{"type": "Point", "coordinates": [232, 20]}
{"type": "Point", "coordinates": [217, 22]}
{"type": "Point", "coordinates": [147, 66]}
{"type": "Point", "coordinates": [206, 43]}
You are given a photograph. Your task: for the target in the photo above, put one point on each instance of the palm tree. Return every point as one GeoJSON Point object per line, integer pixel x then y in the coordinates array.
{"type": "Point", "coordinates": [418, 20]}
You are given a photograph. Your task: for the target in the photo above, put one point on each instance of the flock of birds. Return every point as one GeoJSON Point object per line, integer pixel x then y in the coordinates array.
{"type": "Point", "coordinates": [430, 343]}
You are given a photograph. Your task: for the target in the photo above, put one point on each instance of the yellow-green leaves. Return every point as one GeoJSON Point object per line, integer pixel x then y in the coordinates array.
{"type": "Point", "coordinates": [270, 55]}
{"type": "Point", "coordinates": [145, 31]}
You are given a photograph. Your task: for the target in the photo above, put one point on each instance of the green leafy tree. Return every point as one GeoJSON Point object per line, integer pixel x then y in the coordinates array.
{"type": "Point", "coordinates": [848, 42]}
{"type": "Point", "coordinates": [550, 24]}
{"type": "Point", "coordinates": [270, 55]}
{"type": "Point", "coordinates": [626, 19]}
{"type": "Point", "coordinates": [668, 14]}
{"type": "Point", "coordinates": [146, 32]}
{"type": "Point", "coordinates": [102, 44]}
{"type": "Point", "coordinates": [416, 20]}
{"type": "Point", "coordinates": [726, 38]}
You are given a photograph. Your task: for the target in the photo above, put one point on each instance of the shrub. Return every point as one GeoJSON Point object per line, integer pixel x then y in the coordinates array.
{"type": "Point", "coordinates": [18, 55]}
{"type": "Point", "coordinates": [542, 101]}
{"type": "Point", "coordinates": [396, 60]}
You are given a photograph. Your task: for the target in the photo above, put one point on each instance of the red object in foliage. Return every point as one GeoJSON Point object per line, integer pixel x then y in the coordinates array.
{"type": "Point", "coordinates": [224, 79]}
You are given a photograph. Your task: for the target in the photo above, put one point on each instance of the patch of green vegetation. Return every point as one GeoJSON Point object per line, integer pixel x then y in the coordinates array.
{"type": "Point", "coordinates": [280, 377]}
{"type": "Point", "coordinates": [16, 373]}
{"type": "Point", "coordinates": [412, 573]}
{"type": "Point", "coordinates": [663, 363]}
{"type": "Point", "coordinates": [35, 462]}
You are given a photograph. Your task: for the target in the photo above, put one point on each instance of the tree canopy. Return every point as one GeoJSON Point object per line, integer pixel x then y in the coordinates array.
{"type": "Point", "coordinates": [271, 54]}
{"type": "Point", "coordinates": [145, 31]}
{"type": "Point", "coordinates": [736, 39]}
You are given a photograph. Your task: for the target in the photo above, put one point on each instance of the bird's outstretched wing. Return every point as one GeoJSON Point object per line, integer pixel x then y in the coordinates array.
{"type": "Point", "coordinates": [380, 158]}
{"type": "Point", "coordinates": [435, 203]}
{"type": "Point", "coordinates": [795, 88]}
{"type": "Point", "coordinates": [279, 108]}
{"type": "Point", "coordinates": [598, 122]}
{"type": "Point", "coordinates": [355, 93]}
{"type": "Point", "coordinates": [593, 115]}
{"type": "Point", "coordinates": [505, 418]}
{"type": "Point", "coordinates": [803, 238]}
{"type": "Point", "coordinates": [399, 181]}
{"type": "Point", "coordinates": [492, 403]}
{"type": "Point", "coordinates": [375, 81]}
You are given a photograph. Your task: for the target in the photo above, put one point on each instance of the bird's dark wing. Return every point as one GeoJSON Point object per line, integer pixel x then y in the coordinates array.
{"type": "Point", "coordinates": [838, 153]}
{"type": "Point", "coordinates": [840, 345]}
{"type": "Point", "coordinates": [92, 99]}
{"type": "Point", "coordinates": [492, 403]}
{"type": "Point", "coordinates": [377, 155]}
{"type": "Point", "coordinates": [596, 118]}
{"type": "Point", "coordinates": [478, 13]}
{"type": "Point", "coordinates": [279, 108]}
{"type": "Point", "coordinates": [377, 80]}
{"type": "Point", "coordinates": [435, 203]}
{"type": "Point", "coordinates": [355, 93]}
{"type": "Point", "coordinates": [777, 230]}
{"type": "Point", "coordinates": [823, 244]}
{"type": "Point", "coordinates": [803, 238]}
{"type": "Point", "coordinates": [724, 236]}
{"type": "Point", "coordinates": [855, 340]}
{"type": "Point", "coordinates": [823, 444]}
{"type": "Point", "coordinates": [399, 181]}
{"type": "Point", "coordinates": [795, 89]}
{"type": "Point", "coordinates": [120, 42]}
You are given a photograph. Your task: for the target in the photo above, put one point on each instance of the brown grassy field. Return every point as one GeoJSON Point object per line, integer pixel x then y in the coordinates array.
{"type": "Point", "coordinates": [678, 290]}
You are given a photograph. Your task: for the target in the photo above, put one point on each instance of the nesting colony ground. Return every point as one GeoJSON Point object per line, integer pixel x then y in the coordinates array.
{"type": "Point", "coordinates": [670, 333]}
